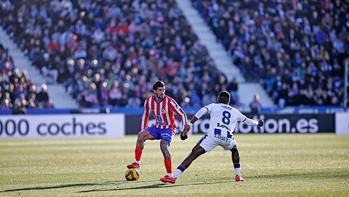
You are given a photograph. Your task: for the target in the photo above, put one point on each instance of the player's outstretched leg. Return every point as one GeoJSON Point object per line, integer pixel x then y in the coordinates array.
{"type": "Point", "coordinates": [236, 161]}
{"type": "Point", "coordinates": [195, 153]}
{"type": "Point", "coordinates": [142, 137]}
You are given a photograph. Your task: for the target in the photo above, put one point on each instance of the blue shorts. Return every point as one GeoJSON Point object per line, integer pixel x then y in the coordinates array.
{"type": "Point", "coordinates": [164, 134]}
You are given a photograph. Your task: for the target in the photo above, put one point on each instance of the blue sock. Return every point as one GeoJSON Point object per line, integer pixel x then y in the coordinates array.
{"type": "Point", "coordinates": [181, 168]}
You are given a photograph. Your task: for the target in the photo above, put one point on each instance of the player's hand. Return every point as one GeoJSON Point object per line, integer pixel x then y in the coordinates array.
{"type": "Point", "coordinates": [186, 128]}
{"type": "Point", "coordinates": [260, 123]}
{"type": "Point", "coordinates": [184, 136]}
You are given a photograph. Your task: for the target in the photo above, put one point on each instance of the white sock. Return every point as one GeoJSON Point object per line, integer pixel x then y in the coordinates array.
{"type": "Point", "coordinates": [138, 162]}
{"type": "Point", "coordinates": [237, 171]}
{"type": "Point", "coordinates": [169, 174]}
{"type": "Point", "coordinates": [177, 173]}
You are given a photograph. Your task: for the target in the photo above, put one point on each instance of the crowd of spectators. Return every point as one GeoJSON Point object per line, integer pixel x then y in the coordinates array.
{"type": "Point", "coordinates": [17, 92]}
{"type": "Point", "coordinates": [297, 48]}
{"type": "Point", "coordinates": [110, 52]}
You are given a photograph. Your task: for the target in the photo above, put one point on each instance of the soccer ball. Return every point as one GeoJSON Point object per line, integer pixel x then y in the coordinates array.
{"type": "Point", "coordinates": [132, 174]}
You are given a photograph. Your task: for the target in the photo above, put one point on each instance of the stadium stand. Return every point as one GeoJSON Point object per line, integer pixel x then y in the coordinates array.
{"type": "Point", "coordinates": [17, 92]}
{"type": "Point", "coordinates": [110, 52]}
{"type": "Point", "coordinates": [297, 48]}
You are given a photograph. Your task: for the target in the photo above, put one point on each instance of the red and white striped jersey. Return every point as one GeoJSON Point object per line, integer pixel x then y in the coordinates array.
{"type": "Point", "coordinates": [163, 113]}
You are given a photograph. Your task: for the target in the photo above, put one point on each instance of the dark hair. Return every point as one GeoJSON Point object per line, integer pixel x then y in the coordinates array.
{"type": "Point", "coordinates": [224, 97]}
{"type": "Point", "coordinates": [158, 84]}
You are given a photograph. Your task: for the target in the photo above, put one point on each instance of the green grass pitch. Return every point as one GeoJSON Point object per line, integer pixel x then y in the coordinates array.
{"type": "Point", "coordinates": [272, 165]}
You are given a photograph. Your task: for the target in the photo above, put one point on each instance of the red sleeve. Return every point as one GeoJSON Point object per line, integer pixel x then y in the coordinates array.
{"type": "Point", "coordinates": [146, 113]}
{"type": "Point", "coordinates": [179, 111]}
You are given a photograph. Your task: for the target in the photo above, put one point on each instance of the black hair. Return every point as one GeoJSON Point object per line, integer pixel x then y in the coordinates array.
{"type": "Point", "coordinates": [224, 97]}
{"type": "Point", "coordinates": [158, 84]}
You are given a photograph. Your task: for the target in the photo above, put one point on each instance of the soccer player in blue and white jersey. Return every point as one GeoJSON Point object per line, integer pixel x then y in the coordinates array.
{"type": "Point", "coordinates": [223, 119]}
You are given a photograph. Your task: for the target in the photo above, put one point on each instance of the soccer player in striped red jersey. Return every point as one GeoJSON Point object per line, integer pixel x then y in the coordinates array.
{"type": "Point", "coordinates": [162, 108]}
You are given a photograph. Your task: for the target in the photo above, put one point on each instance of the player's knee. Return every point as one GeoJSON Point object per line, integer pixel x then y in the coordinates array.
{"type": "Point", "coordinates": [235, 155]}
{"type": "Point", "coordinates": [193, 149]}
{"type": "Point", "coordinates": [141, 137]}
{"type": "Point", "coordinates": [165, 152]}
{"type": "Point", "coordinates": [197, 151]}
{"type": "Point", "coordinates": [164, 148]}
{"type": "Point", "coordinates": [234, 150]}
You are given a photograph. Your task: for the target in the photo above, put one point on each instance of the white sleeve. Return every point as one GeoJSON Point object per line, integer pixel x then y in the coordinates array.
{"type": "Point", "coordinates": [248, 121]}
{"type": "Point", "coordinates": [203, 111]}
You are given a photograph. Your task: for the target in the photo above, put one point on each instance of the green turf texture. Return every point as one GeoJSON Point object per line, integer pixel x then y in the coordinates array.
{"type": "Point", "coordinates": [273, 165]}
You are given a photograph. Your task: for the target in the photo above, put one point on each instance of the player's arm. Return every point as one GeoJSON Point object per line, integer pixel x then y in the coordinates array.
{"type": "Point", "coordinates": [180, 112]}
{"type": "Point", "coordinates": [197, 116]}
{"type": "Point", "coordinates": [145, 117]}
{"type": "Point", "coordinates": [248, 121]}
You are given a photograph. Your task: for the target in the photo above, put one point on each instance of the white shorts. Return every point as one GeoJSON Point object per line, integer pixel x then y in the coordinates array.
{"type": "Point", "coordinates": [208, 143]}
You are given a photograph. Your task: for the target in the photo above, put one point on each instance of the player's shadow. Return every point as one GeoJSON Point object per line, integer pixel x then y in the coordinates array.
{"type": "Point", "coordinates": [155, 186]}
{"type": "Point", "coordinates": [219, 181]}
{"type": "Point", "coordinates": [296, 174]}
{"type": "Point", "coordinates": [60, 186]}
